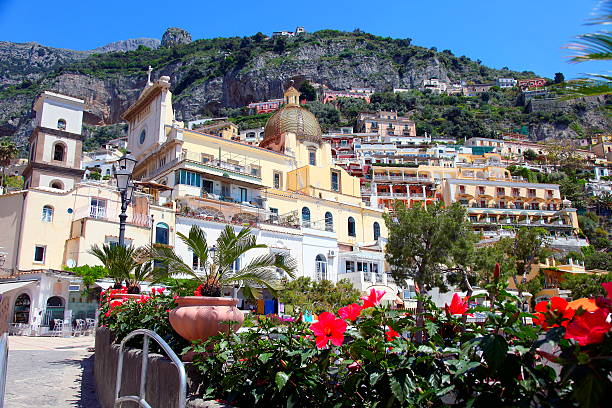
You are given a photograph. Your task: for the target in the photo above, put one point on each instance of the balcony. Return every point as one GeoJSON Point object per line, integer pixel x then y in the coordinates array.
{"type": "Point", "coordinates": [111, 214]}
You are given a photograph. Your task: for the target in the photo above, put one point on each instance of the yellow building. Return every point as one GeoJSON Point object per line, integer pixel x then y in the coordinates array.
{"type": "Point", "coordinates": [287, 188]}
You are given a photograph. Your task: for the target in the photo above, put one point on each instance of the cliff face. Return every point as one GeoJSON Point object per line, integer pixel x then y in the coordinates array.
{"type": "Point", "coordinates": [208, 75]}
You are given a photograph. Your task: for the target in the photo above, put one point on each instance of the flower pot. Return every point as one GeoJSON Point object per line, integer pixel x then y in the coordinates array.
{"type": "Point", "coordinates": [199, 317]}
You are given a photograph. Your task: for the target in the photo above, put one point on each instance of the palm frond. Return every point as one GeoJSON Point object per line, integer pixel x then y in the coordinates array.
{"type": "Point", "coordinates": [592, 47]}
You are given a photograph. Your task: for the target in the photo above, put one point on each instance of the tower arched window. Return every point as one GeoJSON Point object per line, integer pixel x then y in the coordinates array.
{"type": "Point", "coordinates": [321, 267]}
{"type": "Point", "coordinates": [58, 152]}
{"type": "Point", "coordinates": [376, 228]}
{"type": "Point", "coordinates": [21, 311]}
{"type": "Point", "coordinates": [47, 213]}
{"type": "Point", "coordinates": [306, 217]}
{"type": "Point", "coordinates": [329, 221]}
{"type": "Point", "coordinates": [162, 234]}
{"type": "Point", "coordinates": [61, 124]}
{"type": "Point", "coordinates": [57, 185]}
{"type": "Point", "coordinates": [352, 231]}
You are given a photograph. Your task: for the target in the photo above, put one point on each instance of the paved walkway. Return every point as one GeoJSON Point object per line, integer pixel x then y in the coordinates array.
{"type": "Point", "coordinates": [50, 372]}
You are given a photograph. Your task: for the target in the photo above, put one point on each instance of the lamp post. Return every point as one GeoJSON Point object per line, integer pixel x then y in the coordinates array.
{"type": "Point", "coordinates": [126, 188]}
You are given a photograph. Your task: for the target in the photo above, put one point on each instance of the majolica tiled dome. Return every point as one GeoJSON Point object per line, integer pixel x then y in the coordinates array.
{"type": "Point", "coordinates": [292, 118]}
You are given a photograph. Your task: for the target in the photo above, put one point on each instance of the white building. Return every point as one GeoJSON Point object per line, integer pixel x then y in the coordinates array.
{"type": "Point", "coordinates": [506, 82]}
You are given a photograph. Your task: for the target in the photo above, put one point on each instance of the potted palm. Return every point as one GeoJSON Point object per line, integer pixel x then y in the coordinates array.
{"type": "Point", "coordinates": [206, 313]}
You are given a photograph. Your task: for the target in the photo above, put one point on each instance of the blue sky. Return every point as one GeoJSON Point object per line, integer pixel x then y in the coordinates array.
{"type": "Point", "coordinates": [520, 34]}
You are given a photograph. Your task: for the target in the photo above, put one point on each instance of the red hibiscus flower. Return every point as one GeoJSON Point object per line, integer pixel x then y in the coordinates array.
{"type": "Point", "coordinates": [608, 287]}
{"type": "Point", "coordinates": [391, 334]}
{"type": "Point", "coordinates": [373, 298]}
{"type": "Point", "coordinates": [589, 327]}
{"type": "Point", "coordinates": [457, 306]}
{"type": "Point", "coordinates": [116, 302]}
{"type": "Point", "coordinates": [553, 314]}
{"type": "Point", "coordinates": [328, 328]}
{"type": "Point", "coordinates": [350, 312]}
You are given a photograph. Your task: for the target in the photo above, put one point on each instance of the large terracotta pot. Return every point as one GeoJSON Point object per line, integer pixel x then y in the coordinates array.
{"type": "Point", "coordinates": [199, 317]}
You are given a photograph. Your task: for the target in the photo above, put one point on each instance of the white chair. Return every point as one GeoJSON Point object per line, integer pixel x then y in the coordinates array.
{"type": "Point", "coordinates": [79, 328]}
{"type": "Point", "coordinates": [58, 328]}
{"type": "Point", "coordinates": [90, 326]}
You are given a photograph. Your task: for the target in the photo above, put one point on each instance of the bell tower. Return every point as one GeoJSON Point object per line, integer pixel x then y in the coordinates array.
{"type": "Point", "coordinates": [56, 143]}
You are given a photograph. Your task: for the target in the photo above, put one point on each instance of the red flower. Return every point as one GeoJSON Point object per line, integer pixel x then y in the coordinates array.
{"type": "Point", "coordinates": [116, 302]}
{"type": "Point", "coordinates": [391, 334]}
{"type": "Point", "coordinates": [553, 314]}
{"type": "Point", "coordinates": [457, 305]}
{"type": "Point", "coordinates": [496, 271]}
{"type": "Point", "coordinates": [350, 312]}
{"type": "Point", "coordinates": [143, 299]}
{"type": "Point", "coordinates": [373, 298]}
{"type": "Point", "coordinates": [608, 287]}
{"type": "Point", "coordinates": [328, 328]}
{"type": "Point", "coordinates": [589, 327]}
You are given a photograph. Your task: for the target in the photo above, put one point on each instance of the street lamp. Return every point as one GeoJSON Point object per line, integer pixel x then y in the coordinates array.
{"type": "Point", "coordinates": [126, 187]}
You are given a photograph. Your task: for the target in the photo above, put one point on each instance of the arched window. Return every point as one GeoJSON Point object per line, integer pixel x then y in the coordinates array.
{"type": "Point", "coordinates": [47, 213]}
{"type": "Point", "coordinates": [329, 221]}
{"type": "Point", "coordinates": [162, 234]}
{"type": "Point", "coordinates": [351, 227]}
{"type": "Point", "coordinates": [143, 136]}
{"type": "Point", "coordinates": [21, 313]}
{"type": "Point", "coordinates": [376, 231]}
{"type": "Point", "coordinates": [306, 217]}
{"type": "Point", "coordinates": [61, 124]}
{"type": "Point", "coordinates": [321, 267]}
{"type": "Point", "coordinates": [58, 152]}
{"type": "Point", "coordinates": [57, 185]}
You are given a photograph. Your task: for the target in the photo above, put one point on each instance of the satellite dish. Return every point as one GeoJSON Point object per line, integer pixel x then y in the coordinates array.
{"type": "Point", "coordinates": [71, 263]}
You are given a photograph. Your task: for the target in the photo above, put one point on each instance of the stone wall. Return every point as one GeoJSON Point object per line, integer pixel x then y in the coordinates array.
{"type": "Point", "coordinates": [162, 378]}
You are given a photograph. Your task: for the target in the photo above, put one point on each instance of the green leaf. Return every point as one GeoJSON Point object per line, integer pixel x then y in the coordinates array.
{"type": "Point", "coordinates": [264, 357]}
{"type": "Point", "coordinates": [494, 348]}
{"type": "Point", "coordinates": [400, 386]}
{"type": "Point", "coordinates": [588, 391]}
{"type": "Point", "coordinates": [281, 379]}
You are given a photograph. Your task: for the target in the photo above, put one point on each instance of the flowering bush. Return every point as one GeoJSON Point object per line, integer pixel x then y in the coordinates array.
{"type": "Point", "coordinates": [124, 315]}
{"type": "Point", "coordinates": [366, 356]}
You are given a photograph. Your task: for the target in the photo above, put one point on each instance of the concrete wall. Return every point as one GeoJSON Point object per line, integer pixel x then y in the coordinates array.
{"type": "Point", "coordinates": [162, 377]}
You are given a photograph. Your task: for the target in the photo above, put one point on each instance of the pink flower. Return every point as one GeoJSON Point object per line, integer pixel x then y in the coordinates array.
{"type": "Point", "coordinates": [373, 298]}
{"type": "Point", "coordinates": [328, 328]}
{"type": "Point", "coordinates": [350, 312]}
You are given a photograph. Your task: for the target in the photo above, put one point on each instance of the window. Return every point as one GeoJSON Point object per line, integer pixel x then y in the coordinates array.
{"type": "Point", "coordinates": [61, 124]}
{"type": "Point", "coordinates": [255, 170]}
{"type": "Point", "coordinates": [329, 222]}
{"type": "Point", "coordinates": [207, 185]}
{"type": "Point", "coordinates": [312, 157]}
{"type": "Point", "coordinates": [143, 136]}
{"type": "Point", "coordinates": [351, 227]}
{"type": "Point", "coordinates": [39, 253]}
{"type": "Point", "coordinates": [376, 231]}
{"type": "Point", "coordinates": [57, 185]}
{"type": "Point", "coordinates": [274, 214]}
{"type": "Point", "coordinates": [22, 309]}
{"type": "Point", "coordinates": [344, 143]}
{"type": "Point", "coordinates": [243, 195]}
{"type": "Point", "coordinates": [321, 267]}
{"type": "Point", "coordinates": [188, 177]}
{"type": "Point", "coordinates": [162, 234]}
{"type": "Point", "coordinates": [306, 217]}
{"type": "Point", "coordinates": [47, 213]}
{"type": "Point", "coordinates": [97, 208]}
{"type": "Point", "coordinates": [350, 266]}
{"type": "Point", "coordinates": [277, 180]}
{"type": "Point", "coordinates": [207, 158]}
{"type": "Point", "coordinates": [58, 152]}
{"type": "Point", "coordinates": [335, 180]}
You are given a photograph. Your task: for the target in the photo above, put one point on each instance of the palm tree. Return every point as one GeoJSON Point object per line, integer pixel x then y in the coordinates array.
{"type": "Point", "coordinates": [8, 151]}
{"type": "Point", "coordinates": [593, 47]}
{"type": "Point", "coordinates": [217, 264]}
{"type": "Point", "coordinates": [118, 260]}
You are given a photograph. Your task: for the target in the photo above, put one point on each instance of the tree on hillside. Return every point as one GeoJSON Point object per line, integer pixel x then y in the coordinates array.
{"type": "Point", "coordinates": [308, 91]}
{"type": "Point", "coordinates": [8, 151]}
{"type": "Point", "coordinates": [559, 78]}
{"type": "Point", "coordinates": [585, 285]}
{"type": "Point", "coordinates": [528, 247]}
{"type": "Point", "coordinates": [530, 155]}
{"type": "Point", "coordinates": [422, 242]}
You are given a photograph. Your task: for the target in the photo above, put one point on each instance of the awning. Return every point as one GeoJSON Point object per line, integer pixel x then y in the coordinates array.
{"type": "Point", "coordinates": [8, 286]}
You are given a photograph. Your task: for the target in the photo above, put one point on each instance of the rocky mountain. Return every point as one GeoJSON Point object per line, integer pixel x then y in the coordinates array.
{"type": "Point", "coordinates": [213, 75]}
{"type": "Point", "coordinates": [127, 45]}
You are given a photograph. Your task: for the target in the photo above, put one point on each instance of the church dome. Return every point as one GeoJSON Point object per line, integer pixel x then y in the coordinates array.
{"type": "Point", "coordinates": [292, 118]}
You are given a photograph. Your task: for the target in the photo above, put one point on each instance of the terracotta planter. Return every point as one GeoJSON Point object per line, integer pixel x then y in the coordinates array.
{"type": "Point", "coordinates": [199, 317]}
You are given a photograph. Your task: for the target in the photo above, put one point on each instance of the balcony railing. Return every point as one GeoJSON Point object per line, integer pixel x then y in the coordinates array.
{"type": "Point", "coordinates": [112, 214]}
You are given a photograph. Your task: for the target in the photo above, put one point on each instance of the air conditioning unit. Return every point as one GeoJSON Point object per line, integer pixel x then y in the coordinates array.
{"type": "Point", "coordinates": [331, 252]}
